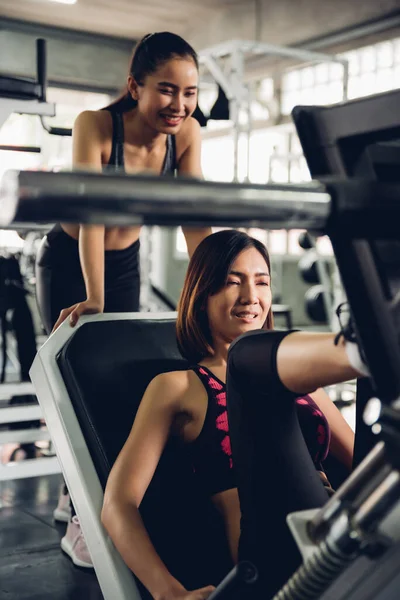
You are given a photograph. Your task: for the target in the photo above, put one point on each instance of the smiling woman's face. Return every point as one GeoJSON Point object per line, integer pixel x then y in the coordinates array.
{"type": "Point", "coordinates": [244, 301]}
{"type": "Point", "coordinates": [167, 97]}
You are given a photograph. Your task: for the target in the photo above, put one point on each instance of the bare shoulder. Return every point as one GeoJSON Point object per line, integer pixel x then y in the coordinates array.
{"type": "Point", "coordinates": [174, 387]}
{"type": "Point", "coordinates": [172, 381]}
{"type": "Point", "coordinates": [192, 126]}
{"type": "Point", "coordinates": [94, 121]}
{"type": "Point", "coordinates": [190, 130]}
{"type": "Point", "coordinates": [189, 134]}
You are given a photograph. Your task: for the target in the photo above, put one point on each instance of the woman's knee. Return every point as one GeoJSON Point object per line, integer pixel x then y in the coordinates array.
{"type": "Point", "coordinates": [252, 355]}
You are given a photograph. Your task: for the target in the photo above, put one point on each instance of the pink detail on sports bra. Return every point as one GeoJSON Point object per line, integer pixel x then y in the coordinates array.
{"type": "Point", "coordinates": [221, 398]}
{"type": "Point", "coordinates": [226, 448]}
{"type": "Point", "coordinates": [222, 422]}
{"type": "Point", "coordinates": [211, 381]}
{"type": "Point", "coordinates": [321, 434]}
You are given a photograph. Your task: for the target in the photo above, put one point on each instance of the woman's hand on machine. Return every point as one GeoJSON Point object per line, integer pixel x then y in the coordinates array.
{"type": "Point", "coordinates": [88, 307]}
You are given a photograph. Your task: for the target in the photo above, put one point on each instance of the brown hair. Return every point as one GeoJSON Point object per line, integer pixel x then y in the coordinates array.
{"type": "Point", "coordinates": [206, 275]}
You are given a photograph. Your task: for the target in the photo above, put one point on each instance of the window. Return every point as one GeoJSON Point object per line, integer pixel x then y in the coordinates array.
{"type": "Point", "coordinates": [20, 130]}
{"type": "Point", "coordinates": [278, 241]}
{"type": "Point", "coordinates": [372, 69]}
{"type": "Point", "coordinates": [275, 153]}
{"type": "Point", "coordinates": [315, 84]}
{"type": "Point", "coordinates": [56, 151]}
{"type": "Point", "coordinates": [26, 130]}
{"type": "Point", "coordinates": [180, 245]}
{"type": "Point", "coordinates": [10, 240]}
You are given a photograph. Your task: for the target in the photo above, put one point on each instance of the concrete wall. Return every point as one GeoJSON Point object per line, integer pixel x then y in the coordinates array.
{"type": "Point", "coordinates": [80, 60]}
{"type": "Point", "coordinates": [101, 63]}
{"type": "Point", "coordinates": [288, 21]}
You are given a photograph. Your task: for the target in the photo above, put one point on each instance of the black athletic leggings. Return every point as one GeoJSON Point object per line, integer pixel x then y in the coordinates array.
{"type": "Point", "coordinates": [274, 469]}
{"type": "Point", "coordinates": [60, 283]}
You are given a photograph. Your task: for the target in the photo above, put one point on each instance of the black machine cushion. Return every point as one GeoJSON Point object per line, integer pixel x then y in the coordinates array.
{"type": "Point", "coordinates": [106, 366]}
{"type": "Point", "coordinates": [19, 88]}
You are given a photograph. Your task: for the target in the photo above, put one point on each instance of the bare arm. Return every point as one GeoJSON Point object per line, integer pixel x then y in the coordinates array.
{"type": "Point", "coordinates": [308, 361]}
{"type": "Point", "coordinates": [128, 482]}
{"type": "Point", "coordinates": [227, 503]}
{"type": "Point", "coordinates": [86, 154]}
{"type": "Point", "coordinates": [342, 436]}
{"type": "Point", "coordinates": [190, 165]}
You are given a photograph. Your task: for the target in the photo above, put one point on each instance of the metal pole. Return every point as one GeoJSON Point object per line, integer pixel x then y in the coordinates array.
{"type": "Point", "coordinates": [249, 129]}
{"type": "Point", "coordinates": [234, 108]}
{"type": "Point", "coordinates": [236, 79]}
{"type": "Point", "coordinates": [145, 266]}
{"type": "Point", "coordinates": [345, 80]}
{"type": "Point", "coordinates": [120, 199]}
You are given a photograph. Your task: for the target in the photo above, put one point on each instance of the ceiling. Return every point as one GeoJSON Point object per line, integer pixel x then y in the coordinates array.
{"type": "Point", "coordinates": [129, 19]}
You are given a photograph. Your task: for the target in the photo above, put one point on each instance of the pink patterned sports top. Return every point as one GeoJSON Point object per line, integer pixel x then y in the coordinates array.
{"type": "Point", "coordinates": [211, 451]}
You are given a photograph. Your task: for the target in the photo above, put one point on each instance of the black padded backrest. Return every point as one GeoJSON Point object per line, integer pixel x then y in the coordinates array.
{"type": "Point", "coordinates": [106, 366]}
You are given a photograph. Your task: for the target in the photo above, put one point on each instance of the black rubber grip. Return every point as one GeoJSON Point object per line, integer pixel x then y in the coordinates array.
{"type": "Point", "coordinates": [41, 67]}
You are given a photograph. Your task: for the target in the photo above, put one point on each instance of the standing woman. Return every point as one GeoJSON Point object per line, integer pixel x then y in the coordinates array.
{"type": "Point", "coordinates": [86, 269]}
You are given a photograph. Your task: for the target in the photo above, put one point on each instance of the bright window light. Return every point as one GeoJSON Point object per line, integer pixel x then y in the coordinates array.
{"type": "Point", "coordinates": [64, 1]}
{"type": "Point", "coordinates": [180, 243]}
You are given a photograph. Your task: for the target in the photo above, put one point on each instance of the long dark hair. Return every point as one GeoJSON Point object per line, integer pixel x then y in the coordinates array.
{"type": "Point", "coordinates": [150, 53]}
{"type": "Point", "coordinates": [206, 275]}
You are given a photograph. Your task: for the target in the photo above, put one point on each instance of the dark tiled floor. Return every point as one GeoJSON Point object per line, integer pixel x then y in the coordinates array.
{"type": "Point", "coordinates": [32, 566]}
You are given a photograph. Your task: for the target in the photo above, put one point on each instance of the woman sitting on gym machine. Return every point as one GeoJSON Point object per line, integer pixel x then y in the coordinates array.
{"type": "Point", "coordinates": [227, 292]}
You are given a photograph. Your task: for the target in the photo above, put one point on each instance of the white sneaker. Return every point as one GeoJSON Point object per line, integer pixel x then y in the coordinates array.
{"type": "Point", "coordinates": [73, 544]}
{"type": "Point", "coordinates": [63, 511]}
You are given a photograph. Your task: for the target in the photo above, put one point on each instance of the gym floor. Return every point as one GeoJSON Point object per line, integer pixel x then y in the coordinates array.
{"type": "Point", "coordinates": [32, 565]}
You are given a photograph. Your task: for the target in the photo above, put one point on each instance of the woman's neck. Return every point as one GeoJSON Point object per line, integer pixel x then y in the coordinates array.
{"type": "Point", "coordinates": [219, 358]}
{"type": "Point", "coordinates": [217, 365]}
{"type": "Point", "coordinates": [139, 133]}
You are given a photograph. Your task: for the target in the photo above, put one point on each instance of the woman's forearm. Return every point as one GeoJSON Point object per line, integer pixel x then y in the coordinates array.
{"type": "Point", "coordinates": [91, 252]}
{"type": "Point", "coordinates": [126, 529]}
{"type": "Point", "coordinates": [307, 361]}
{"type": "Point", "coordinates": [195, 235]}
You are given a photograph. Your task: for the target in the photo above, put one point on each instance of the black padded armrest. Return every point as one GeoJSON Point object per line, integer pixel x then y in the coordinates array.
{"type": "Point", "coordinates": [19, 88]}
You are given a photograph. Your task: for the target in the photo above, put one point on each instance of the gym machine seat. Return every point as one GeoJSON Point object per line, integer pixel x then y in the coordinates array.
{"type": "Point", "coordinates": [89, 382]}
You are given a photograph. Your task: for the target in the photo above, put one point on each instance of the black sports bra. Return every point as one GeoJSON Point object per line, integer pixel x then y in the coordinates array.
{"type": "Point", "coordinates": [211, 451]}
{"type": "Point", "coordinates": [117, 151]}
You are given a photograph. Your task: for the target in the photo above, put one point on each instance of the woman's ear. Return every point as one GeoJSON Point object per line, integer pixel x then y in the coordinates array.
{"type": "Point", "coordinates": [133, 87]}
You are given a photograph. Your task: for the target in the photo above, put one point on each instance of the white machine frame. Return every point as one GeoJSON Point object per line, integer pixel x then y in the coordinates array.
{"type": "Point", "coordinates": [115, 579]}
{"type": "Point", "coordinates": [8, 106]}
